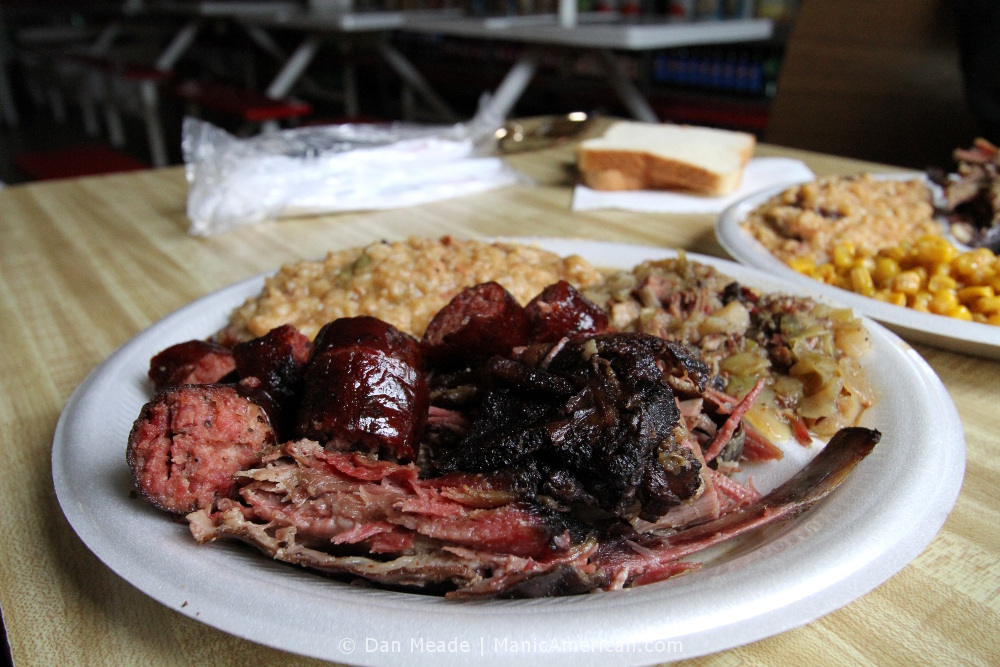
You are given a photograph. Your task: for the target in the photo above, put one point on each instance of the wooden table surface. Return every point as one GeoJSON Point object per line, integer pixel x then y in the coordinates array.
{"type": "Point", "coordinates": [86, 264]}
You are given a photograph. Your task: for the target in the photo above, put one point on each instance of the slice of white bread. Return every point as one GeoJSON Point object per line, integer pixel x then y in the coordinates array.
{"type": "Point", "coordinates": [631, 155]}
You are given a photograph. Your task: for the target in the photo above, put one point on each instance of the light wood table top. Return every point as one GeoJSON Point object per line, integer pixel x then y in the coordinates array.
{"type": "Point", "coordinates": [86, 264]}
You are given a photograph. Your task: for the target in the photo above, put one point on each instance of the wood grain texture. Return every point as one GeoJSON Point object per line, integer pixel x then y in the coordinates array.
{"type": "Point", "coordinates": [88, 263]}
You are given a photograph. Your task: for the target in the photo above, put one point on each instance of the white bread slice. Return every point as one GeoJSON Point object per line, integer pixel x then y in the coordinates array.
{"type": "Point", "coordinates": [631, 155]}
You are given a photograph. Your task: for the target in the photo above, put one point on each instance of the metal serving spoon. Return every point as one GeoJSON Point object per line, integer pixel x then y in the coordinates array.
{"type": "Point", "coordinates": [543, 132]}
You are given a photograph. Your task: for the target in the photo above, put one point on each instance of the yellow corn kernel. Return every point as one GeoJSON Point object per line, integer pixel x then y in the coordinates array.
{"type": "Point", "coordinates": [895, 298]}
{"type": "Point", "coordinates": [803, 265]}
{"type": "Point", "coordinates": [964, 263]}
{"type": "Point", "coordinates": [826, 273]}
{"type": "Point", "coordinates": [843, 255]}
{"type": "Point", "coordinates": [943, 302]}
{"type": "Point", "coordinates": [938, 283]}
{"type": "Point", "coordinates": [919, 301]}
{"type": "Point", "coordinates": [988, 305]}
{"type": "Point", "coordinates": [896, 253]}
{"type": "Point", "coordinates": [886, 268]}
{"type": "Point", "coordinates": [960, 313]}
{"type": "Point", "coordinates": [979, 317]}
{"type": "Point", "coordinates": [933, 250]}
{"type": "Point", "coordinates": [970, 294]}
{"type": "Point", "coordinates": [993, 319]}
{"type": "Point", "coordinates": [861, 281]}
{"type": "Point", "coordinates": [985, 255]}
{"type": "Point", "coordinates": [975, 266]}
{"type": "Point", "coordinates": [864, 261]}
{"type": "Point", "coordinates": [908, 282]}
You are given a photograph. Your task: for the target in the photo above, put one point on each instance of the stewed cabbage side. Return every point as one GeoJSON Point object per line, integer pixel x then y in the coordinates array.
{"type": "Point", "coordinates": [807, 352]}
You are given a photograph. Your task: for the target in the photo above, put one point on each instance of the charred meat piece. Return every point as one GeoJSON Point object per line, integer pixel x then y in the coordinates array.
{"type": "Point", "coordinates": [622, 449]}
{"type": "Point", "coordinates": [972, 195]}
{"type": "Point", "coordinates": [561, 311]}
{"type": "Point", "coordinates": [686, 366]}
{"type": "Point", "coordinates": [189, 441]}
{"type": "Point", "coordinates": [596, 419]}
{"type": "Point", "coordinates": [481, 321]}
{"type": "Point", "coordinates": [270, 369]}
{"type": "Point", "coordinates": [645, 559]}
{"type": "Point", "coordinates": [364, 389]}
{"type": "Point", "coordinates": [677, 478]}
{"type": "Point", "coordinates": [190, 362]}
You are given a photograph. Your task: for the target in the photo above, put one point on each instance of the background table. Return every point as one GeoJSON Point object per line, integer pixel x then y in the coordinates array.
{"type": "Point", "coordinates": [88, 263]}
{"type": "Point", "coordinates": [351, 30]}
{"type": "Point", "coordinates": [590, 32]}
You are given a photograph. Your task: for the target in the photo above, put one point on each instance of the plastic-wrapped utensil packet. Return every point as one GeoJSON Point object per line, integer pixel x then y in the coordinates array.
{"type": "Point", "coordinates": [332, 168]}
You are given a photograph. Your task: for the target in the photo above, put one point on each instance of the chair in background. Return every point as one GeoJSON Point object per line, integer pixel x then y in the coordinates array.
{"type": "Point", "coordinates": [877, 81]}
{"type": "Point", "coordinates": [102, 70]}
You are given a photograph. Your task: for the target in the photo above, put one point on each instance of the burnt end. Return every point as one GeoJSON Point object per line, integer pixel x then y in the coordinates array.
{"type": "Point", "coordinates": [561, 311]}
{"type": "Point", "coordinates": [593, 423]}
{"type": "Point", "coordinates": [357, 395]}
{"type": "Point", "coordinates": [271, 370]}
{"type": "Point", "coordinates": [480, 322]}
{"type": "Point", "coordinates": [687, 363]}
{"type": "Point", "coordinates": [610, 449]}
{"type": "Point", "coordinates": [675, 477]}
{"type": "Point", "coordinates": [651, 355]}
{"type": "Point", "coordinates": [563, 485]}
{"type": "Point", "coordinates": [505, 434]}
{"type": "Point", "coordinates": [511, 373]}
{"type": "Point", "coordinates": [190, 362]}
{"type": "Point", "coordinates": [452, 391]}
{"type": "Point", "coordinates": [189, 441]}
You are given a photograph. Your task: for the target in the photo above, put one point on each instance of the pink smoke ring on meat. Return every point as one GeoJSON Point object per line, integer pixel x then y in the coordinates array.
{"type": "Point", "coordinates": [189, 442]}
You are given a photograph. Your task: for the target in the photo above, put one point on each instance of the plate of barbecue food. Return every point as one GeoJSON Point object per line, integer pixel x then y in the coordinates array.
{"type": "Point", "coordinates": [917, 252]}
{"type": "Point", "coordinates": [573, 451]}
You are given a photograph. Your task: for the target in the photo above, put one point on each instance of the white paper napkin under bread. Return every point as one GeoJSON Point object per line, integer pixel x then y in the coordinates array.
{"type": "Point", "coordinates": [760, 173]}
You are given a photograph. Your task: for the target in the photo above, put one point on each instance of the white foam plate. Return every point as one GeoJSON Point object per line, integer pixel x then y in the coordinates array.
{"type": "Point", "coordinates": [937, 330]}
{"type": "Point", "coordinates": [882, 517]}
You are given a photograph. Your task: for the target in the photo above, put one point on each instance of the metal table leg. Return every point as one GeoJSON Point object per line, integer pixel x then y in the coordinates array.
{"type": "Point", "coordinates": [619, 79]}
{"type": "Point", "coordinates": [150, 103]}
{"type": "Point", "coordinates": [405, 69]}
{"type": "Point", "coordinates": [178, 46]}
{"type": "Point", "coordinates": [297, 63]}
{"type": "Point", "coordinates": [515, 82]}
